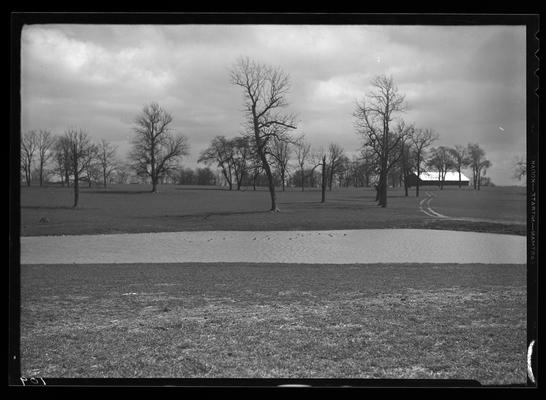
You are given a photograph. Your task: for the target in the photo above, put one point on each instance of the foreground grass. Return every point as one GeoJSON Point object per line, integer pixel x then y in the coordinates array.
{"type": "Point", "coordinates": [277, 320]}
{"type": "Point", "coordinates": [133, 209]}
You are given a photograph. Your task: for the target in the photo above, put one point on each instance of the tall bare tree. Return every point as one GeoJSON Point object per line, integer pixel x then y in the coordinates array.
{"type": "Point", "coordinates": [460, 158]}
{"type": "Point", "coordinates": [374, 116]}
{"type": "Point", "coordinates": [264, 90]}
{"type": "Point", "coordinates": [28, 149]}
{"type": "Point", "coordinates": [478, 163]}
{"type": "Point", "coordinates": [80, 150]}
{"type": "Point", "coordinates": [156, 149]}
{"type": "Point", "coordinates": [44, 143]}
{"type": "Point", "coordinates": [421, 140]}
{"type": "Point", "coordinates": [107, 158]}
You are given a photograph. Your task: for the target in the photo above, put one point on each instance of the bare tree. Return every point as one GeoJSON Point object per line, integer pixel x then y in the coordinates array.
{"type": "Point", "coordinates": [220, 152]}
{"type": "Point", "coordinates": [478, 163]}
{"type": "Point", "coordinates": [335, 157]}
{"type": "Point", "coordinates": [460, 159]}
{"type": "Point", "coordinates": [44, 143]}
{"type": "Point", "coordinates": [374, 115]}
{"type": "Point", "coordinates": [302, 149]}
{"type": "Point", "coordinates": [107, 158]}
{"type": "Point", "coordinates": [280, 152]}
{"type": "Point", "coordinates": [264, 90]}
{"type": "Point", "coordinates": [421, 139]}
{"type": "Point", "coordinates": [441, 160]}
{"type": "Point", "coordinates": [80, 148]}
{"type": "Point", "coordinates": [241, 154]}
{"type": "Point", "coordinates": [29, 146]}
{"type": "Point", "coordinates": [61, 149]}
{"type": "Point", "coordinates": [156, 150]}
{"type": "Point", "coordinates": [92, 166]}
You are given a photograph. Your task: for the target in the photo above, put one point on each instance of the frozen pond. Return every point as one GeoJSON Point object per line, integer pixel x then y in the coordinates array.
{"type": "Point", "coordinates": [310, 247]}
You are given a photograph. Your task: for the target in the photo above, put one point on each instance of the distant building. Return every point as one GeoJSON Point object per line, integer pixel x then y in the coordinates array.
{"type": "Point", "coordinates": [432, 179]}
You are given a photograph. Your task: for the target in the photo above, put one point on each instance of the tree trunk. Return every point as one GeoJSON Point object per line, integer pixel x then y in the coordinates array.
{"type": "Point", "coordinates": [76, 176]}
{"type": "Point", "coordinates": [383, 193]}
{"type": "Point", "coordinates": [76, 190]}
{"type": "Point", "coordinates": [154, 172]}
{"type": "Point", "coordinates": [265, 164]}
{"type": "Point", "coordinates": [41, 174]}
{"type": "Point", "coordinates": [418, 175]}
{"type": "Point", "coordinates": [271, 185]}
{"type": "Point", "coordinates": [323, 198]}
{"type": "Point", "coordinates": [331, 177]}
{"type": "Point", "coordinates": [302, 179]}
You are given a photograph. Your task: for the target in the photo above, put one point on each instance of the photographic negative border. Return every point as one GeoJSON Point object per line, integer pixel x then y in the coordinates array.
{"type": "Point", "coordinates": [18, 20]}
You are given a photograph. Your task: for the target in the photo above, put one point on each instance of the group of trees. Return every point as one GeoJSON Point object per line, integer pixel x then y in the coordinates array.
{"type": "Point", "coordinates": [392, 150]}
{"type": "Point", "coordinates": [36, 147]}
{"type": "Point", "coordinates": [73, 157]}
{"type": "Point", "coordinates": [233, 157]}
{"type": "Point", "coordinates": [403, 149]}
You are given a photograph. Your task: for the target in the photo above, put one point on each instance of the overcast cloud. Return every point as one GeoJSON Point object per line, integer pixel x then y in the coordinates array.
{"type": "Point", "coordinates": [463, 82]}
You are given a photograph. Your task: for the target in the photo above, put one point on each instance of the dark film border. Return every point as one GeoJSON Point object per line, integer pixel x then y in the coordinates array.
{"type": "Point", "coordinates": [18, 19]}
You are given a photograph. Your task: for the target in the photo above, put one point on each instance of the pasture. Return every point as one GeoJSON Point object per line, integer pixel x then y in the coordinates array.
{"type": "Point", "coordinates": [275, 320]}
{"type": "Point", "coordinates": [268, 320]}
{"type": "Point", "coordinates": [133, 209]}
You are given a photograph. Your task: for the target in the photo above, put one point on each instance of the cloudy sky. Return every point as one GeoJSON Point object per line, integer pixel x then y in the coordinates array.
{"type": "Point", "coordinates": [465, 82]}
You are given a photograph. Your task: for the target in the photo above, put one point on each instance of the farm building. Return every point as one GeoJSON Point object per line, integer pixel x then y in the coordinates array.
{"type": "Point", "coordinates": [432, 179]}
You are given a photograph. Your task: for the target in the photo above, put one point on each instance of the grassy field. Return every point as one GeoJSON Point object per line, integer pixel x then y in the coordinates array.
{"type": "Point", "coordinates": [132, 208]}
{"type": "Point", "coordinates": [272, 320]}
{"type": "Point", "coordinates": [258, 320]}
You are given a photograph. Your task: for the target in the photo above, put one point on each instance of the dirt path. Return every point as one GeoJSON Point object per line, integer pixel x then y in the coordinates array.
{"type": "Point", "coordinates": [309, 247]}
{"type": "Point", "coordinates": [425, 208]}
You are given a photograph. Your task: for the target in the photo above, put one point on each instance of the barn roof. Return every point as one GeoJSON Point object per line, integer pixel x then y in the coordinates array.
{"type": "Point", "coordinates": [450, 176]}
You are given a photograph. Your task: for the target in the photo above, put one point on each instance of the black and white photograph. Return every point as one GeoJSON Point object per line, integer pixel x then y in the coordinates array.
{"type": "Point", "coordinates": [350, 201]}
